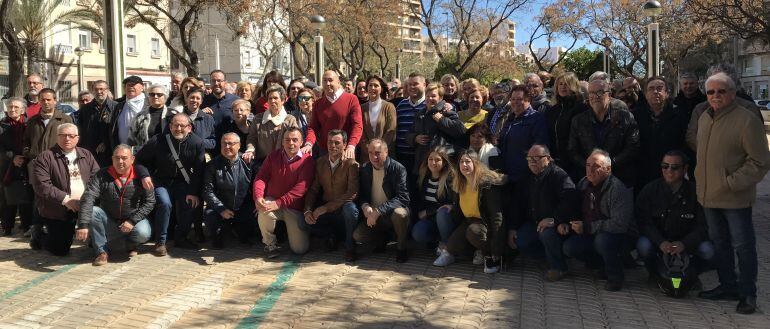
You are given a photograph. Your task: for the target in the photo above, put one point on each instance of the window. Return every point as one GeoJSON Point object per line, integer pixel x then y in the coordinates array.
{"type": "Point", "coordinates": [65, 90]}
{"type": "Point", "coordinates": [84, 39]}
{"type": "Point", "coordinates": [131, 44]}
{"type": "Point", "coordinates": [247, 58]}
{"type": "Point", "coordinates": [155, 47]}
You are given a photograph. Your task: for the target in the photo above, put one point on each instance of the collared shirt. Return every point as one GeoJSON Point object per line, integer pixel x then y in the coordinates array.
{"type": "Point", "coordinates": [294, 158]}
{"type": "Point", "coordinates": [334, 97]}
{"type": "Point", "coordinates": [334, 164]}
{"type": "Point", "coordinates": [374, 112]}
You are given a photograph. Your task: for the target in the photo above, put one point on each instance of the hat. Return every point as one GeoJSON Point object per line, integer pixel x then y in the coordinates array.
{"type": "Point", "coordinates": [132, 80]}
{"type": "Point", "coordinates": [311, 85]}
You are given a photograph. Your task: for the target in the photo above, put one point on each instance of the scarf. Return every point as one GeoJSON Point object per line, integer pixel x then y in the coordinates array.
{"type": "Point", "coordinates": [114, 174]}
{"type": "Point", "coordinates": [277, 120]}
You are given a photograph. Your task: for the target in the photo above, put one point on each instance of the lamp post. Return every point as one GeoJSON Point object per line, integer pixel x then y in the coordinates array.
{"type": "Point", "coordinates": [318, 22]}
{"type": "Point", "coordinates": [607, 43]}
{"type": "Point", "coordinates": [398, 64]}
{"type": "Point", "coordinates": [79, 52]}
{"type": "Point", "coordinates": [652, 9]}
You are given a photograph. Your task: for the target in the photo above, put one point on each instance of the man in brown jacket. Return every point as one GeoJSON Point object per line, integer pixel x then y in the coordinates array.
{"type": "Point", "coordinates": [329, 206]}
{"type": "Point", "coordinates": [733, 157]}
{"type": "Point", "coordinates": [60, 176]}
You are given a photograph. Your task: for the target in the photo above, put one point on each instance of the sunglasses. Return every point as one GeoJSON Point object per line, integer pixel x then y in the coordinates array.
{"type": "Point", "coordinates": [674, 167]}
{"type": "Point", "coordinates": [716, 91]}
{"type": "Point", "coordinates": [304, 98]}
{"type": "Point", "coordinates": [156, 94]}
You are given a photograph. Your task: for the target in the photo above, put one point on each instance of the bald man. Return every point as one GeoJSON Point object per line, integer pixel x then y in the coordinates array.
{"type": "Point", "coordinates": [336, 110]}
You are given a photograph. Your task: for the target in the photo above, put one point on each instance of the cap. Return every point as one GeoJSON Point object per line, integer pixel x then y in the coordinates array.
{"type": "Point", "coordinates": [132, 80]}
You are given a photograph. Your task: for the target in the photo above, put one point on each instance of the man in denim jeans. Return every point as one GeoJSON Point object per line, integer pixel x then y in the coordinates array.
{"type": "Point", "coordinates": [732, 158]}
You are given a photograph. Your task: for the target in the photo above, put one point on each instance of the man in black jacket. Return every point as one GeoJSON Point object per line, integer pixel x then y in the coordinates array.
{"type": "Point", "coordinates": [94, 122]}
{"type": "Point", "coordinates": [689, 94]}
{"type": "Point", "coordinates": [384, 199]}
{"type": "Point", "coordinates": [670, 218]}
{"type": "Point", "coordinates": [178, 182]}
{"type": "Point", "coordinates": [546, 200]}
{"type": "Point", "coordinates": [123, 206]}
{"type": "Point", "coordinates": [227, 192]}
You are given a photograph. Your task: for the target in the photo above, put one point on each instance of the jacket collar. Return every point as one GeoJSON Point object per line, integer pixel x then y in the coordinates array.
{"type": "Point", "coordinates": [716, 115]}
{"type": "Point", "coordinates": [59, 153]}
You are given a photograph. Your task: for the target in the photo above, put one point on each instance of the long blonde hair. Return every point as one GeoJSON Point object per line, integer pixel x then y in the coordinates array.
{"type": "Point", "coordinates": [481, 174]}
{"type": "Point", "coordinates": [446, 171]}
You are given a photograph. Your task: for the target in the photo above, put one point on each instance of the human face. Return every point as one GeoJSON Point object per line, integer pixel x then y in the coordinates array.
{"type": "Point", "coordinates": [305, 100]}
{"type": "Point", "coordinates": [241, 112]}
{"type": "Point", "coordinates": [157, 97]}
{"type": "Point", "coordinates": [49, 102]}
{"type": "Point", "coordinates": [349, 87]}
{"type": "Point", "coordinates": [85, 99]}
{"type": "Point", "coordinates": [450, 87]}
{"type": "Point", "coordinates": [432, 98]}
{"type": "Point", "coordinates": [294, 88]}
{"type": "Point", "coordinates": [194, 101]}
{"type": "Point", "coordinates": [501, 96]}
{"type": "Point", "coordinates": [180, 127]}
{"type": "Point", "coordinates": [672, 169]}
{"type": "Point", "coordinates": [361, 89]}
{"type": "Point", "coordinates": [535, 86]}
{"type": "Point", "coordinates": [176, 82]}
{"type": "Point", "coordinates": [416, 88]}
{"type": "Point", "coordinates": [719, 95]}
{"type": "Point", "coordinates": [475, 100]}
{"type": "Point", "coordinates": [34, 85]}
{"type": "Point", "coordinates": [374, 89]}
{"type": "Point", "coordinates": [377, 155]}
{"type": "Point", "coordinates": [519, 103]}
{"type": "Point", "coordinates": [230, 146]}
{"type": "Point", "coordinates": [331, 82]}
{"type": "Point", "coordinates": [563, 88]}
{"type": "Point", "coordinates": [245, 92]}
{"type": "Point", "coordinates": [656, 93]}
{"type": "Point", "coordinates": [596, 170]}
{"type": "Point", "coordinates": [291, 142]}
{"type": "Point", "coordinates": [218, 83]}
{"type": "Point", "coordinates": [14, 110]}
{"type": "Point", "coordinates": [537, 160]}
{"type": "Point", "coordinates": [122, 160]}
{"type": "Point", "coordinates": [335, 145]}
{"type": "Point", "coordinates": [477, 140]}
{"type": "Point", "coordinates": [100, 92]}
{"type": "Point", "coordinates": [467, 87]}
{"type": "Point", "coordinates": [67, 139]}
{"type": "Point", "coordinates": [133, 90]}
{"type": "Point", "coordinates": [187, 87]}
{"type": "Point", "coordinates": [435, 163]}
{"type": "Point", "coordinates": [466, 166]}
{"type": "Point", "coordinates": [598, 96]}
{"type": "Point", "coordinates": [275, 102]}
{"type": "Point", "coordinates": [689, 86]}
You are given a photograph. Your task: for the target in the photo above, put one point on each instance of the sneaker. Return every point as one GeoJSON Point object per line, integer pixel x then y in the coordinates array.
{"type": "Point", "coordinates": [160, 250]}
{"type": "Point", "coordinates": [444, 259]}
{"type": "Point", "coordinates": [478, 258]}
{"type": "Point", "coordinates": [272, 251]}
{"type": "Point", "coordinates": [491, 265]}
{"type": "Point", "coordinates": [36, 238]}
{"type": "Point", "coordinates": [101, 259]}
{"type": "Point", "coordinates": [438, 251]}
{"type": "Point", "coordinates": [554, 275]}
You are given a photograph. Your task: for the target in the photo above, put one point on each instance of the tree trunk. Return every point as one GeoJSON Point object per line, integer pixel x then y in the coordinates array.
{"type": "Point", "coordinates": [15, 51]}
{"type": "Point", "coordinates": [32, 57]}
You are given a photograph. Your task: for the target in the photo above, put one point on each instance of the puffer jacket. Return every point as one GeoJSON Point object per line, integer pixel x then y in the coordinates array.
{"type": "Point", "coordinates": [449, 131]}
{"type": "Point", "coordinates": [131, 203]}
{"type": "Point", "coordinates": [222, 191]}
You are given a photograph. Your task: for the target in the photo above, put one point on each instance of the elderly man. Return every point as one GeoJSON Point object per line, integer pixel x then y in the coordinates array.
{"type": "Point", "coordinates": [152, 121]}
{"type": "Point", "coordinates": [279, 192]}
{"type": "Point", "coordinates": [94, 121]}
{"type": "Point", "coordinates": [176, 84]}
{"type": "Point", "coordinates": [329, 206]}
{"type": "Point", "coordinates": [337, 110]}
{"type": "Point", "coordinates": [115, 205]}
{"type": "Point", "coordinates": [227, 192]}
{"type": "Point", "coordinates": [536, 92]}
{"type": "Point", "coordinates": [606, 230]}
{"type": "Point", "coordinates": [662, 127]}
{"type": "Point", "coordinates": [545, 200]}
{"type": "Point", "coordinates": [671, 220]}
{"type": "Point", "coordinates": [34, 86]}
{"type": "Point", "coordinates": [125, 112]}
{"type": "Point", "coordinates": [219, 104]}
{"type": "Point", "coordinates": [689, 94]}
{"type": "Point", "coordinates": [732, 158]}
{"type": "Point", "coordinates": [384, 200]}
{"type": "Point", "coordinates": [84, 97]}
{"type": "Point", "coordinates": [175, 160]}
{"type": "Point", "coordinates": [60, 176]}
{"type": "Point", "coordinates": [609, 128]}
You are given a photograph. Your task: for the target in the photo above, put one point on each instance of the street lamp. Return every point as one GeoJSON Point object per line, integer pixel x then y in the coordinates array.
{"type": "Point", "coordinates": [398, 64]}
{"type": "Point", "coordinates": [318, 23]}
{"type": "Point", "coordinates": [652, 9]}
{"type": "Point", "coordinates": [607, 43]}
{"type": "Point", "coordinates": [79, 52]}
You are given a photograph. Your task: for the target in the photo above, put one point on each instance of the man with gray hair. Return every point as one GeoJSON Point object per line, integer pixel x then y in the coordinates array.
{"type": "Point", "coordinates": [59, 178]}
{"type": "Point", "coordinates": [539, 100]}
{"type": "Point", "coordinates": [93, 122]}
{"type": "Point", "coordinates": [176, 83]}
{"type": "Point", "coordinates": [733, 158]}
{"type": "Point", "coordinates": [689, 94]}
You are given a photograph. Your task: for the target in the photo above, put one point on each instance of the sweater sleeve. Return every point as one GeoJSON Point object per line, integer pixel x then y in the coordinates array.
{"type": "Point", "coordinates": [263, 176]}
{"type": "Point", "coordinates": [306, 174]}
{"type": "Point", "coordinates": [355, 118]}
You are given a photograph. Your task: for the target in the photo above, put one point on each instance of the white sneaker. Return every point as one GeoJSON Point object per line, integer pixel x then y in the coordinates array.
{"type": "Point", "coordinates": [478, 258]}
{"type": "Point", "coordinates": [438, 251]}
{"type": "Point", "coordinates": [444, 259]}
{"type": "Point", "coordinates": [491, 265]}
{"type": "Point", "coordinates": [272, 251]}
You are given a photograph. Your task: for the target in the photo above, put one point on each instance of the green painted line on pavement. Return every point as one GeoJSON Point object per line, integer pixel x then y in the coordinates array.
{"type": "Point", "coordinates": [36, 281]}
{"type": "Point", "coordinates": [268, 300]}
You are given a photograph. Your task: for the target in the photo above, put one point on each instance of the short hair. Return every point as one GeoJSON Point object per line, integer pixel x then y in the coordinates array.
{"type": "Point", "coordinates": [67, 125]}
{"type": "Point", "coordinates": [533, 76]}
{"type": "Point", "coordinates": [678, 153]}
{"type": "Point", "coordinates": [435, 86]}
{"type": "Point", "coordinates": [159, 86]}
{"type": "Point", "coordinates": [481, 128]}
{"type": "Point", "coordinates": [378, 141]}
{"type": "Point", "coordinates": [20, 100]}
{"type": "Point", "coordinates": [450, 77]}
{"type": "Point", "coordinates": [99, 82]}
{"type": "Point", "coordinates": [335, 132]}
{"type": "Point", "coordinates": [241, 101]}
{"type": "Point", "coordinates": [718, 77]}
{"type": "Point", "coordinates": [187, 117]}
{"type": "Point", "coordinates": [292, 130]}
{"type": "Point", "coordinates": [600, 75]}
{"type": "Point", "coordinates": [48, 91]}
{"type": "Point", "coordinates": [243, 84]}
{"type": "Point", "coordinates": [483, 91]}
{"type": "Point", "coordinates": [725, 68]}
{"type": "Point", "coordinates": [603, 82]}
{"type": "Point", "coordinates": [688, 76]}
{"type": "Point", "coordinates": [523, 89]}
{"type": "Point", "coordinates": [276, 89]}
{"type": "Point", "coordinates": [83, 93]}
{"type": "Point", "coordinates": [123, 147]}
{"type": "Point", "coordinates": [39, 77]}
{"type": "Point", "coordinates": [194, 91]}
{"type": "Point", "coordinates": [607, 159]}
{"type": "Point", "coordinates": [177, 75]}
{"type": "Point", "coordinates": [545, 148]}
{"type": "Point", "coordinates": [271, 77]}
{"type": "Point", "coordinates": [657, 78]}
{"type": "Point", "coordinates": [231, 134]}
{"type": "Point", "coordinates": [218, 71]}
{"type": "Point", "coordinates": [418, 75]}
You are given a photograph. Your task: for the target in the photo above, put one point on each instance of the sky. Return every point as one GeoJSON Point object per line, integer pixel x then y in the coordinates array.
{"type": "Point", "coordinates": [525, 23]}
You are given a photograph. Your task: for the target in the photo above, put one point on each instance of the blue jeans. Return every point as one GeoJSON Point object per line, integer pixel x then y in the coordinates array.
{"type": "Point", "coordinates": [104, 229]}
{"type": "Point", "coordinates": [553, 243]}
{"type": "Point", "coordinates": [601, 248]}
{"type": "Point", "coordinates": [344, 219]}
{"type": "Point", "coordinates": [244, 222]}
{"type": "Point", "coordinates": [648, 252]}
{"type": "Point", "coordinates": [167, 197]}
{"type": "Point", "coordinates": [439, 227]}
{"type": "Point", "coordinates": [732, 232]}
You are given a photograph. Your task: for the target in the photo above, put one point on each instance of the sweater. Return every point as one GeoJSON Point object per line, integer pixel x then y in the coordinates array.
{"type": "Point", "coordinates": [405, 115]}
{"type": "Point", "coordinates": [344, 114]}
{"type": "Point", "coordinates": [286, 182]}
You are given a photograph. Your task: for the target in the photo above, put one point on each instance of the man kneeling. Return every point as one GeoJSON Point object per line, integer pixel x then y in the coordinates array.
{"type": "Point", "coordinates": [123, 206]}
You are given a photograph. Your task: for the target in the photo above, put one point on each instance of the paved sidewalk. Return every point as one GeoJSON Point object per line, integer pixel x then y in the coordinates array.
{"type": "Point", "coordinates": [237, 288]}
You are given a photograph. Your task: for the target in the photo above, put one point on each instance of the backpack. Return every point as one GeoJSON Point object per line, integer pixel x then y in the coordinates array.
{"type": "Point", "coordinates": [676, 276]}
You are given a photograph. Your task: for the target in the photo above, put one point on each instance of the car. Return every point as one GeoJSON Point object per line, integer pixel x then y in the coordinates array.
{"type": "Point", "coordinates": [762, 102]}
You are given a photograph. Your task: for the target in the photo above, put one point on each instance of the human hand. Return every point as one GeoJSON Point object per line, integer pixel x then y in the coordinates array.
{"type": "Point", "coordinates": [563, 229]}
{"type": "Point", "coordinates": [73, 205]}
{"type": "Point", "coordinates": [147, 184]}
{"type": "Point", "coordinates": [577, 226]}
{"type": "Point", "coordinates": [422, 139]}
{"type": "Point", "coordinates": [512, 239]}
{"type": "Point", "coordinates": [81, 234]}
{"type": "Point", "coordinates": [18, 160]}
{"type": "Point", "coordinates": [544, 224]}
{"type": "Point", "coordinates": [227, 214]}
{"type": "Point", "coordinates": [248, 156]}
{"type": "Point", "coordinates": [309, 218]}
{"type": "Point", "coordinates": [349, 153]}
{"type": "Point", "coordinates": [126, 227]}
{"type": "Point", "coordinates": [192, 200]}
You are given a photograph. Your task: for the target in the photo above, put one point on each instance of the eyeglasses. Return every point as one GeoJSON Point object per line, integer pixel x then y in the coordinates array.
{"type": "Point", "coordinates": [535, 158]}
{"type": "Point", "coordinates": [659, 89]}
{"type": "Point", "coordinates": [230, 143]}
{"type": "Point", "coordinates": [716, 91]}
{"type": "Point", "coordinates": [674, 167]}
{"type": "Point", "coordinates": [533, 85]}
{"type": "Point", "coordinates": [598, 93]}
{"type": "Point", "coordinates": [177, 125]}
{"type": "Point", "coordinates": [70, 136]}
{"type": "Point", "coordinates": [304, 98]}
{"type": "Point", "coordinates": [156, 95]}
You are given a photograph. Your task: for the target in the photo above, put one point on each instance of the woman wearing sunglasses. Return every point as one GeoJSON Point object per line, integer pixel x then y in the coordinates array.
{"type": "Point", "coordinates": [379, 117]}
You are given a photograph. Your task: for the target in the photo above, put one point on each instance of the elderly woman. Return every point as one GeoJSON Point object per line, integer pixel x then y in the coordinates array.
{"type": "Point", "coordinates": [567, 102]}
{"type": "Point", "coordinates": [16, 191]}
{"type": "Point", "coordinates": [379, 117]}
{"type": "Point", "coordinates": [268, 127]}
{"type": "Point", "coordinates": [240, 124]}
{"type": "Point", "coordinates": [152, 120]}
{"type": "Point", "coordinates": [203, 123]}
{"type": "Point", "coordinates": [271, 79]}
{"type": "Point", "coordinates": [245, 90]}
{"type": "Point", "coordinates": [480, 142]}
{"type": "Point", "coordinates": [475, 100]}
{"type": "Point", "coordinates": [178, 103]}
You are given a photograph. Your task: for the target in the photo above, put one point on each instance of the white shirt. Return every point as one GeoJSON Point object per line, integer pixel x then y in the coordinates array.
{"type": "Point", "coordinates": [132, 107]}
{"type": "Point", "coordinates": [374, 112]}
{"type": "Point", "coordinates": [76, 181]}
{"type": "Point", "coordinates": [334, 97]}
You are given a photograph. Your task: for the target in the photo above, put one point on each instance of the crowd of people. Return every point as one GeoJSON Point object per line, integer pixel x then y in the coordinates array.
{"type": "Point", "coordinates": [550, 167]}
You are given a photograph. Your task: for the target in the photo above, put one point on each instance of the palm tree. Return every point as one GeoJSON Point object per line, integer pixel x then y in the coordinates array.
{"type": "Point", "coordinates": [34, 19]}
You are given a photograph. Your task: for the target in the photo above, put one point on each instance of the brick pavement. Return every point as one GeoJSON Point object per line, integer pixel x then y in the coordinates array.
{"type": "Point", "coordinates": [237, 288]}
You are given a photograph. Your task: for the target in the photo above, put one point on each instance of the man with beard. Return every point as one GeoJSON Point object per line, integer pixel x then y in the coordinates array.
{"type": "Point", "coordinates": [94, 120]}
{"type": "Point", "coordinates": [536, 92]}
{"type": "Point", "coordinates": [34, 86]}
{"type": "Point", "coordinates": [219, 104]}
{"type": "Point", "coordinates": [176, 83]}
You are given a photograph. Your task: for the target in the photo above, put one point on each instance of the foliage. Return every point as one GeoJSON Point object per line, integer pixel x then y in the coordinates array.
{"type": "Point", "coordinates": [583, 62]}
{"type": "Point", "coordinates": [749, 19]}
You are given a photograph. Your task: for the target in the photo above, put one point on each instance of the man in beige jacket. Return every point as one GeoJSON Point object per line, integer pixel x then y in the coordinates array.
{"type": "Point", "coordinates": [733, 157]}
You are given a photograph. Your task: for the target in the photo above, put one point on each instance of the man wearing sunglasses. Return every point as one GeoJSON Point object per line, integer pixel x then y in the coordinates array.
{"type": "Point", "coordinates": [733, 157]}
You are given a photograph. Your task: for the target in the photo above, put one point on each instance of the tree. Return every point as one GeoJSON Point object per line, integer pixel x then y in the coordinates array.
{"type": "Point", "coordinates": [749, 19]}
{"type": "Point", "coordinates": [583, 62]}
{"type": "Point", "coordinates": [551, 26]}
{"type": "Point", "coordinates": [15, 50]}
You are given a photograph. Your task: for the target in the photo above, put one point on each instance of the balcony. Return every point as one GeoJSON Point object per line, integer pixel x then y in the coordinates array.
{"type": "Point", "coordinates": [61, 49]}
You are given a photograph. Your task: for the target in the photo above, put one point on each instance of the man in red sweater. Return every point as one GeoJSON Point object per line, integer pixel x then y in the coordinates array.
{"type": "Point", "coordinates": [336, 110]}
{"type": "Point", "coordinates": [279, 193]}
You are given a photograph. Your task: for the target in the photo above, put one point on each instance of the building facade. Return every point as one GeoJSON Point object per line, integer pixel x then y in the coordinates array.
{"type": "Point", "coordinates": [753, 64]}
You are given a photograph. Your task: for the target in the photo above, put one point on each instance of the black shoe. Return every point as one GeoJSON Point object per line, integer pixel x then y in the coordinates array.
{"type": "Point", "coordinates": [36, 239]}
{"type": "Point", "coordinates": [747, 305]}
{"type": "Point", "coordinates": [719, 293]}
{"type": "Point", "coordinates": [331, 244]}
{"type": "Point", "coordinates": [199, 234]}
{"type": "Point", "coordinates": [8, 232]}
{"type": "Point", "coordinates": [380, 248]}
{"type": "Point", "coordinates": [185, 244]}
{"type": "Point", "coordinates": [350, 255]}
{"type": "Point", "coordinates": [218, 242]}
{"type": "Point", "coordinates": [600, 274]}
{"type": "Point", "coordinates": [402, 256]}
{"type": "Point", "coordinates": [613, 285]}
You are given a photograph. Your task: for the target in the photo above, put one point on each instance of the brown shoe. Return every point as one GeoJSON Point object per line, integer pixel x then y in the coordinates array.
{"type": "Point", "coordinates": [554, 275]}
{"type": "Point", "coordinates": [160, 250]}
{"type": "Point", "coordinates": [101, 259]}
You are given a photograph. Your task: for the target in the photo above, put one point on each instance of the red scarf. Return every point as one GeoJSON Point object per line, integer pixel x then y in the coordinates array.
{"type": "Point", "coordinates": [121, 186]}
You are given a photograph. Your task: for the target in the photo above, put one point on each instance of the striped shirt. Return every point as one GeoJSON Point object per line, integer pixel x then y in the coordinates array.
{"type": "Point", "coordinates": [405, 113]}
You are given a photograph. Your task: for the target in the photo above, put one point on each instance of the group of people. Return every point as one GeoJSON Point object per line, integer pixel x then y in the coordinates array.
{"type": "Point", "coordinates": [592, 172]}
